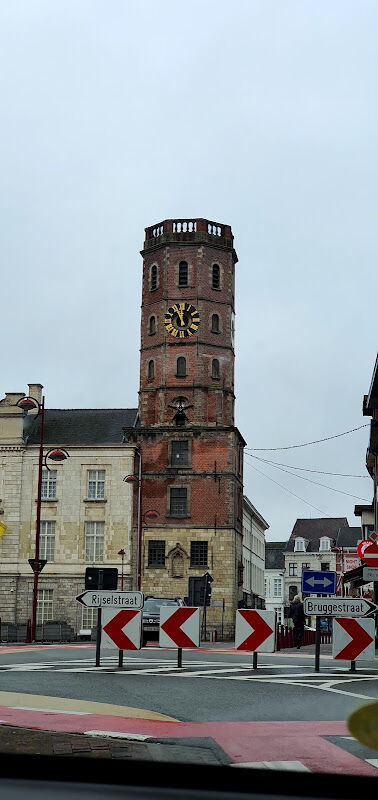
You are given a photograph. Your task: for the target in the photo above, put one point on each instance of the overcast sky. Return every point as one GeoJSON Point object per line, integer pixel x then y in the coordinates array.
{"type": "Point", "coordinates": [263, 115]}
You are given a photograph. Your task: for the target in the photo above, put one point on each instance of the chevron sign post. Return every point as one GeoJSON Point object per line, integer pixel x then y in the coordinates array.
{"type": "Point", "coordinates": [353, 639]}
{"type": "Point", "coordinates": [121, 630]}
{"type": "Point", "coordinates": [179, 627]}
{"type": "Point", "coordinates": [255, 630]}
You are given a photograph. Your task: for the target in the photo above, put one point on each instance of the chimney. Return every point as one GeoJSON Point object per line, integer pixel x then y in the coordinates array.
{"type": "Point", "coordinates": [12, 398]}
{"type": "Point", "coordinates": [35, 391]}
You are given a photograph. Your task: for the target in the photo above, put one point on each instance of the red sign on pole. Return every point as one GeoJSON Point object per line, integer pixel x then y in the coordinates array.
{"type": "Point", "coordinates": [121, 629]}
{"type": "Point", "coordinates": [362, 546]}
{"type": "Point", "coordinates": [353, 639]}
{"type": "Point", "coordinates": [179, 627]}
{"type": "Point", "coordinates": [255, 630]}
{"type": "Point", "coordinates": [370, 554]}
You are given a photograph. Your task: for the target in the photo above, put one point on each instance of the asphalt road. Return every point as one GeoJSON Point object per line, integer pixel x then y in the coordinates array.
{"type": "Point", "coordinates": [283, 712]}
{"type": "Point", "coordinates": [212, 685]}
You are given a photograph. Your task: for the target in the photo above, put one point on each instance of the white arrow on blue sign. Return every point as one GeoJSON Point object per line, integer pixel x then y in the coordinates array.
{"type": "Point", "coordinates": [318, 582]}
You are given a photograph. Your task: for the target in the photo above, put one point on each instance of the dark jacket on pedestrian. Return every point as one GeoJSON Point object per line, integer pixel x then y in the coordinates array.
{"type": "Point", "coordinates": [297, 613]}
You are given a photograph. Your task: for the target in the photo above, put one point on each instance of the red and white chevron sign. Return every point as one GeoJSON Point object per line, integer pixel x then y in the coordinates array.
{"type": "Point", "coordinates": [255, 630]}
{"type": "Point", "coordinates": [121, 629]}
{"type": "Point", "coordinates": [353, 638]}
{"type": "Point", "coordinates": [179, 627]}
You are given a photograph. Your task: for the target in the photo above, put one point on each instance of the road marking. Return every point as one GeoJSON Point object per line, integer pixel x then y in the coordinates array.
{"type": "Point", "coordinates": [36, 702]}
{"type": "Point", "coordinates": [49, 710]}
{"type": "Point", "coordinates": [372, 761]}
{"type": "Point", "coordinates": [137, 737]}
{"type": "Point", "coordinates": [295, 766]}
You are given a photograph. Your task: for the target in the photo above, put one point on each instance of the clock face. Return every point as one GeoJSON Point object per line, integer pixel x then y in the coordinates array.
{"type": "Point", "coordinates": [181, 320]}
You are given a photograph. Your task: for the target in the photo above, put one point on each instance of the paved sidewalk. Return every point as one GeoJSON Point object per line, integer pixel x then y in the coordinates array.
{"type": "Point", "coordinates": [37, 742]}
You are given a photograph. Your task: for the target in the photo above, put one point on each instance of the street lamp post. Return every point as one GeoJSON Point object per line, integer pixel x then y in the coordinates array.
{"type": "Point", "coordinates": [56, 454]}
{"type": "Point", "coordinates": [122, 554]}
{"type": "Point", "coordinates": [138, 480]}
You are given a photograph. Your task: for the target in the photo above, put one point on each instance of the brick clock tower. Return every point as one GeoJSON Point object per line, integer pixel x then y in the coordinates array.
{"type": "Point", "coordinates": [191, 452]}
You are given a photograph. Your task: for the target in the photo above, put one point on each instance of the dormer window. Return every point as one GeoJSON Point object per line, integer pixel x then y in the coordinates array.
{"type": "Point", "coordinates": [300, 545]}
{"type": "Point", "coordinates": [325, 543]}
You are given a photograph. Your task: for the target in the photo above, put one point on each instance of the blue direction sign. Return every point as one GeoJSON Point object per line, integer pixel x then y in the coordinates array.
{"type": "Point", "coordinates": [318, 582]}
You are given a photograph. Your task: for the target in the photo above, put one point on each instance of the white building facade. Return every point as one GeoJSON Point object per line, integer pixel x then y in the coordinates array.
{"type": "Point", "coordinates": [254, 527]}
{"type": "Point", "coordinates": [274, 581]}
{"type": "Point", "coordinates": [86, 508]}
{"type": "Point", "coordinates": [310, 547]}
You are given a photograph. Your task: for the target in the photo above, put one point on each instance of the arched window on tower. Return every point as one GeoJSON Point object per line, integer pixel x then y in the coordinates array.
{"type": "Point", "coordinates": [215, 276]}
{"type": "Point", "coordinates": [215, 373]}
{"type": "Point", "coordinates": [152, 325]}
{"type": "Point", "coordinates": [215, 323]}
{"type": "Point", "coordinates": [181, 367]}
{"type": "Point", "coordinates": [183, 274]}
{"type": "Point", "coordinates": [153, 278]}
{"type": "Point", "coordinates": [151, 370]}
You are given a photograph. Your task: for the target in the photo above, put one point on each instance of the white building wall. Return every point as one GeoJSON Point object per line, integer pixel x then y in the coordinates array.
{"type": "Point", "coordinates": [254, 527]}
{"type": "Point", "coordinates": [274, 592]}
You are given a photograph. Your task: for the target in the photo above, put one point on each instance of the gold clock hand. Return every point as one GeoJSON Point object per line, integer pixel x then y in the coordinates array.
{"type": "Point", "coordinates": [181, 315]}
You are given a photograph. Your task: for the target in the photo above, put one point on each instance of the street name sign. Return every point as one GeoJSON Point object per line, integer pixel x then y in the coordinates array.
{"type": "Point", "coordinates": [121, 630]}
{"type": "Point", "coordinates": [179, 627]}
{"type": "Point", "coordinates": [108, 599]}
{"type": "Point", "coordinates": [255, 630]}
{"type": "Point", "coordinates": [318, 581]}
{"type": "Point", "coordinates": [370, 573]}
{"type": "Point", "coordinates": [353, 639]}
{"type": "Point", "coordinates": [338, 607]}
{"type": "Point", "coordinates": [370, 555]}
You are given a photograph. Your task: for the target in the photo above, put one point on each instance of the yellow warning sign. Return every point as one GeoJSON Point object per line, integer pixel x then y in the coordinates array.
{"type": "Point", "coordinates": [3, 528]}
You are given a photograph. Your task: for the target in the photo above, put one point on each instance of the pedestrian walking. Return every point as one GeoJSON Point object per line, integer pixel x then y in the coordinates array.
{"type": "Point", "coordinates": [297, 615]}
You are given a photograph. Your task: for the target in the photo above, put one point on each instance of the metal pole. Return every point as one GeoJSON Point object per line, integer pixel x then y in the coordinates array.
{"type": "Point", "coordinates": [98, 632]}
{"type": "Point", "coordinates": [317, 645]}
{"type": "Point", "coordinates": [38, 524]}
{"type": "Point", "coordinates": [120, 659]}
{"type": "Point", "coordinates": [140, 526]}
{"type": "Point", "coordinates": [352, 666]}
{"type": "Point", "coordinates": [222, 618]}
{"type": "Point", "coordinates": [375, 584]}
{"type": "Point", "coordinates": [254, 660]}
{"type": "Point", "coordinates": [179, 657]}
{"type": "Point", "coordinates": [123, 556]}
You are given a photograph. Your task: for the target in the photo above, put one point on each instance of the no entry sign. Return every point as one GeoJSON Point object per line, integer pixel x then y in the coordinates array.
{"type": "Point", "coordinates": [121, 630]}
{"type": "Point", "coordinates": [370, 554]}
{"type": "Point", "coordinates": [179, 627]}
{"type": "Point", "coordinates": [353, 639]}
{"type": "Point", "coordinates": [255, 630]}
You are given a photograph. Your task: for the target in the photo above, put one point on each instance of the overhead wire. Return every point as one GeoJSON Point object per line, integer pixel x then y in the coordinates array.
{"type": "Point", "coordinates": [306, 444]}
{"type": "Point", "coordinates": [286, 489]}
{"type": "Point", "coordinates": [316, 483]}
{"type": "Point", "coordinates": [303, 469]}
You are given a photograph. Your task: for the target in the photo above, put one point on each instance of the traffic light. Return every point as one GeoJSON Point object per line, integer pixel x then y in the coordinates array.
{"type": "Point", "coordinates": [108, 579]}
{"type": "Point", "coordinates": [199, 590]}
{"type": "Point", "coordinates": [207, 581]}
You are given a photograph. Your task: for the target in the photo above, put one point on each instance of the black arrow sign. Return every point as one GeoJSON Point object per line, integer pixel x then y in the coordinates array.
{"type": "Point", "coordinates": [372, 607]}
